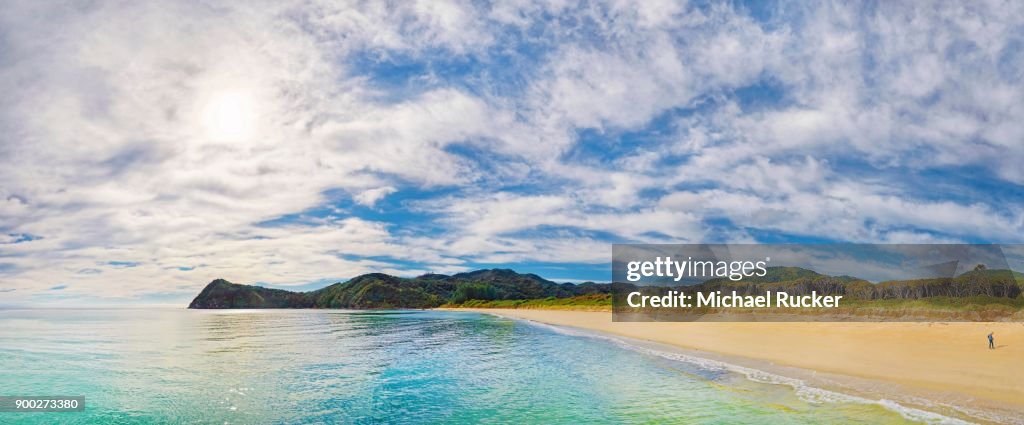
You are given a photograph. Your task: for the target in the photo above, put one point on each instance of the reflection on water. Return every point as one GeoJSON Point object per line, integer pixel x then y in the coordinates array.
{"type": "Point", "coordinates": [314, 366]}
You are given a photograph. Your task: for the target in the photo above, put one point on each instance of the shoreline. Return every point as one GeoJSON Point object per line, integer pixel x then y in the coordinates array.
{"type": "Point", "coordinates": [935, 367]}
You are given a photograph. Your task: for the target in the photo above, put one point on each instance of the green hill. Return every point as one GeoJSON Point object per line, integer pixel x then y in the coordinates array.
{"type": "Point", "coordinates": [381, 291]}
{"type": "Point", "coordinates": [504, 287]}
{"type": "Point", "coordinates": [223, 294]}
{"type": "Point", "coordinates": [376, 290]}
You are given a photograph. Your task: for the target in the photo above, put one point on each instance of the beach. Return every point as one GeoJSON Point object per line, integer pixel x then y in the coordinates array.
{"type": "Point", "coordinates": [946, 362]}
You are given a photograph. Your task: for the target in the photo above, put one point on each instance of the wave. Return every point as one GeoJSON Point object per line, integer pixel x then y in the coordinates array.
{"type": "Point", "coordinates": [803, 390]}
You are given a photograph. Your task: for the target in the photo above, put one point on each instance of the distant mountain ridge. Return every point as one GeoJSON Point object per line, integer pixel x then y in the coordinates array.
{"type": "Point", "coordinates": [381, 291]}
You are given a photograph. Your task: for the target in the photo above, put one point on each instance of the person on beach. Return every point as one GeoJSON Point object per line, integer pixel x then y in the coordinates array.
{"type": "Point", "coordinates": [991, 341]}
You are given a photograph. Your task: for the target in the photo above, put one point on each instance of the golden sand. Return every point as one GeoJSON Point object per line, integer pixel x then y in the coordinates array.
{"type": "Point", "coordinates": [945, 357]}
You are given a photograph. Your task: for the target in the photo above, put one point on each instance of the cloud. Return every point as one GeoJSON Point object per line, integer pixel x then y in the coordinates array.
{"type": "Point", "coordinates": [284, 142]}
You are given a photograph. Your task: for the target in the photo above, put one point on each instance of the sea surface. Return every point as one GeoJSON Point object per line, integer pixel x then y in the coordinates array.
{"type": "Point", "coordinates": [405, 367]}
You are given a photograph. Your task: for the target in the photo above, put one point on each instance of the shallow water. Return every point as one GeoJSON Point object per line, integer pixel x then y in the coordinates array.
{"type": "Point", "coordinates": [315, 366]}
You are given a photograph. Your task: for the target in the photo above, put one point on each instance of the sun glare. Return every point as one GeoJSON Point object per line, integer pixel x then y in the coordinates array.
{"type": "Point", "coordinates": [229, 116]}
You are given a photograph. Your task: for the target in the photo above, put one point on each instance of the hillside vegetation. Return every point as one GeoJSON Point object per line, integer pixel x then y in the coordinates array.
{"type": "Point", "coordinates": [974, 295]}
{"type": "Point", "coordinates": [381, 291]}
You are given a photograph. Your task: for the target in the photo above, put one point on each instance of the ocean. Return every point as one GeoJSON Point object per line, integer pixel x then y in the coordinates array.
{"type": "Point", "coordinates": [360, 367]}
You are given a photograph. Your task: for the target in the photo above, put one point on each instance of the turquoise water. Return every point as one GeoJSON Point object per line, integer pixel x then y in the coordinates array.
{"type": "Point", "coordinates": [308, 366]}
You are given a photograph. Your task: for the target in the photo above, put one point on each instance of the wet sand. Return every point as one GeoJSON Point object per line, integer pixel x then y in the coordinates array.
{"type": "Point", "coordinates": [950, 359]}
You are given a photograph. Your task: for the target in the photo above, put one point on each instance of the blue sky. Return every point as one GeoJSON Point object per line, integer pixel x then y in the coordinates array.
{"type": "Point", "coordinates": [150, 148]}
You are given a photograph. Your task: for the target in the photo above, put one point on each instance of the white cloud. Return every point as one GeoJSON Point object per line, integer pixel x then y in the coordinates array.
{"type": "Point", "coordinates": [370, 197]}
{"type": "Point", "coordinates": [168, 133]}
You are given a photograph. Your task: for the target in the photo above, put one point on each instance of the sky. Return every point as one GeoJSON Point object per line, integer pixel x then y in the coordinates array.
{"type": "Point", "coordinates": [147, 148]}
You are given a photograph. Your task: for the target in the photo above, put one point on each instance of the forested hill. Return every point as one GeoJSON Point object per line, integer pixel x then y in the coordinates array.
{"type": "Point", "coordinates": [377, 291]}
{"type": "Point", "coordinates": [381, 291]}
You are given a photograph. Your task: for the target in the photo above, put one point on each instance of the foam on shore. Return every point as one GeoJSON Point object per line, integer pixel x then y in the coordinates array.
{"type": "Point", "coordinates": [804, 390]}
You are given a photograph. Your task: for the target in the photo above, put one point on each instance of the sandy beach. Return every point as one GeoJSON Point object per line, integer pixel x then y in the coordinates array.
{"type": "Point", "coordinates": [950, 361]}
